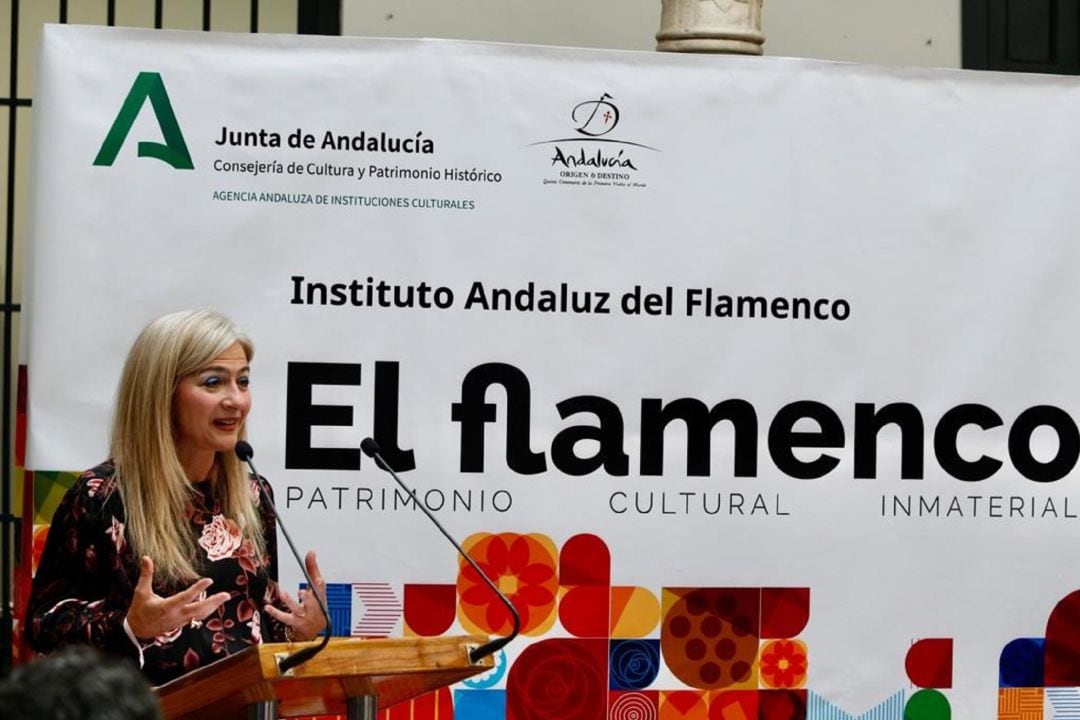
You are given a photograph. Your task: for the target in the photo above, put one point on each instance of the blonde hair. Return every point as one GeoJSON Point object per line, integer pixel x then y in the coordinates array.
{"type": "Point", "coordinates": [153, 486]}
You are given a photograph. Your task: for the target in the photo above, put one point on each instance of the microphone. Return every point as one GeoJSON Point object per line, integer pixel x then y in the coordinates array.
{"type": "Point", "coordinates": [245, 452]}
{"type": "Point", "coordinates": [371, 448]}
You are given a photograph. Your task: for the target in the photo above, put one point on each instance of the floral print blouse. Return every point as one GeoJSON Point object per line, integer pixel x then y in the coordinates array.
{"type": "Point", "coordinates": [88, 571]}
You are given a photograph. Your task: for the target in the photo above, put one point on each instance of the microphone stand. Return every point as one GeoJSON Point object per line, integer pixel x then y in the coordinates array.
{"type": "Point", "coordinates": [371, 449]}
{"type": "Point", "coordinates": [245, 452]}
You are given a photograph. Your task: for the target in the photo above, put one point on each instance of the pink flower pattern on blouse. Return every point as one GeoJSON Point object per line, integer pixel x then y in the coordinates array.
{"type": "Point", "coordinates": [116, 532]}
{"type": "Point", "coordinates": [168, 637]}
{"type": "Point", "coordinates": [253, 625]}
{"type": "Point", "coordinates": [220, 538]}
{"type": "Point", "coordinates": [87, 575]}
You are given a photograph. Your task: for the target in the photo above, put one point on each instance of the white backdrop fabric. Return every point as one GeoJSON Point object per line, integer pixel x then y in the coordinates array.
{"type": "Point", "coordinates": [920, 217]}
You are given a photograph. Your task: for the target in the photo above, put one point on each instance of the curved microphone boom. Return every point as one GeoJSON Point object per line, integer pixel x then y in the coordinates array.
{"type": "Point", "coordinates": [371, 449]}
{"type": "Point", "coordinates": [245, 452]}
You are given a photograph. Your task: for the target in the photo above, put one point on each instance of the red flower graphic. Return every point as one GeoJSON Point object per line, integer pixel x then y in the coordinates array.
{"type": "Point", "coordinates": [783, 664]}
{"type": "Point", "coordinates": [523, 568]}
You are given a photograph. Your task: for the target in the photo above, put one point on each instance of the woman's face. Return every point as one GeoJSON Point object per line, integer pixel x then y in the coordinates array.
{"type": "Point", "coordinates": [210, 405]}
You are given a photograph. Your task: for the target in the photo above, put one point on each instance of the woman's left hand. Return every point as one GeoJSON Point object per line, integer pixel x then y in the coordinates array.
{"type": "Point", "coordinates": [305, 617]}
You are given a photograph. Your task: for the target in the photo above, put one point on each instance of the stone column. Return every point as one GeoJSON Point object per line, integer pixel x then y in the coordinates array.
{"type": "Point", "coordinates": [710, 26]}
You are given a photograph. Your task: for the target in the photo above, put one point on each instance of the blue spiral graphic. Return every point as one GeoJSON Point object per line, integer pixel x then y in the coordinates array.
{"type": "Point", "coordinates": [634, 663]}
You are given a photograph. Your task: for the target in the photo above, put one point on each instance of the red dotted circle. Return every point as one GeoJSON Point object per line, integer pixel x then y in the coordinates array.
{"type": "Point", "coordinates": [711, 637]}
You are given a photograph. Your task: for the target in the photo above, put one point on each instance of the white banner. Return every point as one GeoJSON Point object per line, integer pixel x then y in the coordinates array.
{"type": "Point", "coordinates": [749, 378]}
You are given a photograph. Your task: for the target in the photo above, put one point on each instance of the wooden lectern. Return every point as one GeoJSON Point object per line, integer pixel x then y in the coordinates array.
{"type": "Point", "coordinates": [353, 677]}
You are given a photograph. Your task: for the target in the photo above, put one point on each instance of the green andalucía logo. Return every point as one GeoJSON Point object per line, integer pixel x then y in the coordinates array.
{"type": "Point", "coordinates": [174, 151]}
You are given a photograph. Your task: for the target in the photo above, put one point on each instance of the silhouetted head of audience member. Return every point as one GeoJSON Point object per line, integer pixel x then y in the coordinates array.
{"type": "Point", "coordinates": [77, 683]}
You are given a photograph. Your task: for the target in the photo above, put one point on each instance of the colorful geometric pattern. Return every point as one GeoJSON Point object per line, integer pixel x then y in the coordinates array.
{"type": "Point", "coordinates": [634, 705]}
{"type": "Point", "coordinates": [438, 705]}
{"type": "Point", "coordinates": [479, 704]}
{"type": "Point", "coordinates": [1065, 702]}
{"type": "Point", "coordinates": [49, 488]}
{"type": "Point", "coordinates": [429, 609]}
{"type": "Point", "coordinates": [378, 608]}
{"type": "Point", "coordinates": [492, 677]}
{"type": "Point", "coordinates": [635, 612]}
{"type": "Point", "coordinates": [684, 705]}
{"type": "Point", "coordinates": [1062, 653]}
{"type": "Point", "coordinates": [634, 663]}
{"type": "Point", "coordinates": [39, 536]}
{"type": "Point", "coordinates": [1021, 664]}
{"type": "Point", "coordinates": [929, 663]}
{"type": "Point", "coordinates": [783, 664]}
{"type": "Point", "coordinates": [523, 567]}
{"type": "Point", "coordinates": [1020, 704]}
{"type": "Point", "coordinates": [585, 584]}
{"type": "Point", "coordinates": [891, 708]}
{"type": "Point", "coordinates": [339, 604]}
{"type": "Point", "coordinates": [1032, 671]}
{"type": "Point", "coordinates": [784, 611]}
{"type": "Point", "coordinates": [559, 679]}
{"type": "Point", "coordinates": [375, 604]}
{"type": "Point", "coordinates": [709, 636]}
{"type": "Point", "coordinates": [928, 705]}
{"type": "Point", "coordinates": [782, 705]}
{"type": "Point", "coordinates": [723, 642]}
{"type": "Point", "coordinates": [735, 705]}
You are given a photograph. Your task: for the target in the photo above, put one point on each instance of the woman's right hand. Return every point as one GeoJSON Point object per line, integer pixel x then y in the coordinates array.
{"type": "Point", "coordinates": [151, 615]}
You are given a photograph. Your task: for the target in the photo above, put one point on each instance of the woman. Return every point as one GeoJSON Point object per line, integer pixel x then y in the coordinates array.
{"type": "Point", "coordinates": [163, 552]}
